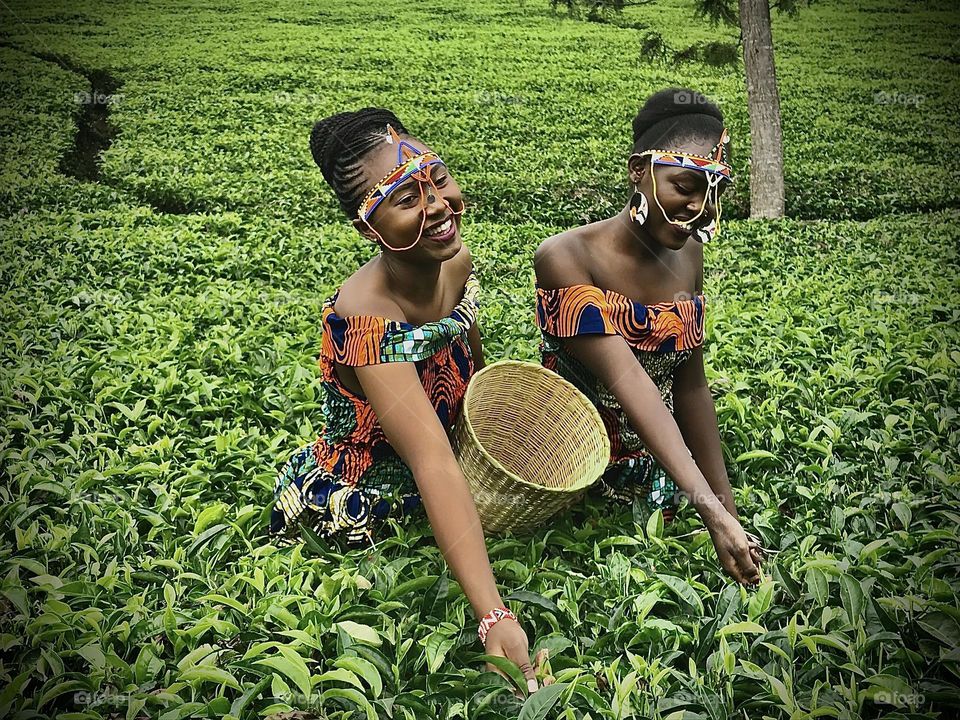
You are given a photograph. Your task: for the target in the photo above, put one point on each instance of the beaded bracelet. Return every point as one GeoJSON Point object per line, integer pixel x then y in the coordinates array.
{"type": "Point", "coordinates": [490, 619]}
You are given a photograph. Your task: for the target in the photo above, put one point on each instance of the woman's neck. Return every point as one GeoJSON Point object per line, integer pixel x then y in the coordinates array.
{"type": "Point", "coordinates": [417, 283]}
{"type": "Point", "coordinates": [631, 237]}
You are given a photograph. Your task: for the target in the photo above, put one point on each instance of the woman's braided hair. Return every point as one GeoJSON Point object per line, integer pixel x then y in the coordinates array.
{"type": "Point", "coordinates": [340, 142]}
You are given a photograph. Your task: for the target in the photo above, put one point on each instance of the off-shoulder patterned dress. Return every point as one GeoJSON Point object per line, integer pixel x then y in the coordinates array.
{"type": "Point", "coordinates": [349, 480]}
{"type": "Point", "coordinates": [662, 337]}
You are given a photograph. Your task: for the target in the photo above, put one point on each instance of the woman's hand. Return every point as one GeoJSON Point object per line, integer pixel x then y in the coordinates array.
{"type": "Point", "coordinates": [738, 554]}
{"type": "Point", "coordinates": [507, 639]}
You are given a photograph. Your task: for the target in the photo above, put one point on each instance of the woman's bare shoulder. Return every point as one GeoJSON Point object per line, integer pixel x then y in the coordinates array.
{"type": "Point", "coordinates": [363, 294]}
{"type": "Point", "coordinates": [563, 259]}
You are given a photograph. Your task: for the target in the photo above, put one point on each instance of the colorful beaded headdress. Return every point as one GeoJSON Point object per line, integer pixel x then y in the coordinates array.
{"type": "Point", "coordinates": [715, 165]}
{"type": "Point", "coordinates": [411, 163]}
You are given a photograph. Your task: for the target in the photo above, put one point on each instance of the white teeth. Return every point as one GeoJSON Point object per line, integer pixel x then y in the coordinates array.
{"type": "Point", "coordinates": [445, 227]}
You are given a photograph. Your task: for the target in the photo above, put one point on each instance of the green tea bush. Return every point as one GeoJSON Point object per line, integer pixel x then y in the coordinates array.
{"type": "Point", "coordinates": [160, 329]}
{"type": "Point", "coordinates": [532, 109]}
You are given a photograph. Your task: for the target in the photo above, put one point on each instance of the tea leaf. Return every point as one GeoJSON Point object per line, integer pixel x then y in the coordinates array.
{"type": "Point", "coordinates": [538, 704]}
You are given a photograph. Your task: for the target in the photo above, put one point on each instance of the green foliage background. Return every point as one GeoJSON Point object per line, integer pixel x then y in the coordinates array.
{"type": "Point", "coordinates": [160, 332]}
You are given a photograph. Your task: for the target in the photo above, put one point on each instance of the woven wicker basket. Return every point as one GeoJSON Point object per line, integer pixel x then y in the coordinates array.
{"type": "Point", "coordinates": [529, 444]}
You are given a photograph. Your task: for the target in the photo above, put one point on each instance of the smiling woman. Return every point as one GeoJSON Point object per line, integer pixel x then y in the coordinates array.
{"type": "Point", "coordinates": [400, 344]}
{"type": "Point", "coordinates": [406, 305]}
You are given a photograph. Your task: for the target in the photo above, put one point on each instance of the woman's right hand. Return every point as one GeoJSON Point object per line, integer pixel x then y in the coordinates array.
{"type": "Point", "coordinates": [507, 639]}
{"type": "Point", "coordinates": [734, 549]}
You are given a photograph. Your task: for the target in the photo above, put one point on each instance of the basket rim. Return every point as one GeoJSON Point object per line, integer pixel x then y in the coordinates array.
{"type": "Point", "coordinates": [590, 407]}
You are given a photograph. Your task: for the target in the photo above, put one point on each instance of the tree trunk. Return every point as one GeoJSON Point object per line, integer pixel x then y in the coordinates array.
{"type": "Point", "coordinates": [763, 100]}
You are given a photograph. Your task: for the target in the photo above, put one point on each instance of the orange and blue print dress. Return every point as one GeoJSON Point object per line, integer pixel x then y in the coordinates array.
{"type": "Point", "coordinates": [349, 480]}
{"type": "Point", "coordinates": [662, 337]}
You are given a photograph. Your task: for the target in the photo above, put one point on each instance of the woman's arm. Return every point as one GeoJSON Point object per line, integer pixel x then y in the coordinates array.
{"type": "Point", "coordinates": [476, 347]}
{"type": "Point", "coordinates": [413, 429]}
{"type": "Point", "coordinates": [612, 362]}
{"type": "Point", "coordinates": [696, 417]}
{"type": "Point", "coordinates": [610, 359]}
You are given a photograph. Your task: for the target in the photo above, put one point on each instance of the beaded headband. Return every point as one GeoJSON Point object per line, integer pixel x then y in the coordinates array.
{"type": "Point", "coordinates": [715, 165]}
{"type": "Point", "coordinates": [411, 163]}
{"type": "Point", "coordinates": [715, 162]}
{"type": "Point", "coordinates": [401, 172]}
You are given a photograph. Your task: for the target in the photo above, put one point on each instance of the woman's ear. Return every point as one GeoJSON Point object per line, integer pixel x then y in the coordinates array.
{"type": "Point", "coordinates": [637, 168]}
{"type": "Point", "coordinates": [365, 230]}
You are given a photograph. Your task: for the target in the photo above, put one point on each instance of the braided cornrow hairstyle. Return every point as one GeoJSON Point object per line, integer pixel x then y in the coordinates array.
{"type": "Point", "coordinates": [675, 116]}
{"type": "Point", "coordinates": [339, 143]}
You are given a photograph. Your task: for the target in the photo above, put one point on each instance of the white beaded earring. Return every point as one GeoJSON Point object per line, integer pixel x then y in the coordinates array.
{"type": "Point", "coordinates": [639, 207]}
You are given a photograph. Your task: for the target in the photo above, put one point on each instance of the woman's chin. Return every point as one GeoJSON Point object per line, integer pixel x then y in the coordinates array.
{"type": "Point", "coordinates": [673, 238]}
{"type": "Point", "coordinates": [445, 250]}
{"type": "Point", "coordinates": [453, 248]}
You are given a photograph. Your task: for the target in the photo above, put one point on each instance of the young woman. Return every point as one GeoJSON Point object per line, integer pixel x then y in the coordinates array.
{"type": "Point", "coordinates": [400, 342]}
{"type": "Point", "coordinates": [621, 312]}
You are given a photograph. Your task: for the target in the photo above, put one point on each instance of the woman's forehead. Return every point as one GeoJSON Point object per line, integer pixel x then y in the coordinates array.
{"type": "Point", "coordinates": [383, 158]}
{"type": "Point", "coordinates": [702, 146]}
{"type": "Point", "coordinates": [680, 173]}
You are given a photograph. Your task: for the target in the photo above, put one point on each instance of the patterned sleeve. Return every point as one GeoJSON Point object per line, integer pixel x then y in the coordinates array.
{"type": "Point", "coordinates": [588, 310]}
{"type": "Point", "coordinates": [370, 340]}
{"type": "Point", "coordinates": [353, 340]}
{"type": "Point", "coordinates": [576, 310]}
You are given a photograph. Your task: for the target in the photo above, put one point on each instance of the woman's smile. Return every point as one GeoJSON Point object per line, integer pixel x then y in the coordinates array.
{"type": "Point", "coordinates": [442, 232]}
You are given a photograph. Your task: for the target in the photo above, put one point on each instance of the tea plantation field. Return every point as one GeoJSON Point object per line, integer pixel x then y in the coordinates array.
{"type": "Point", "coordinates": [160, 327]}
